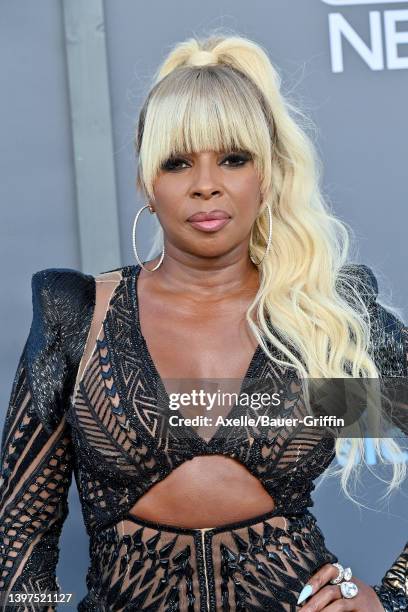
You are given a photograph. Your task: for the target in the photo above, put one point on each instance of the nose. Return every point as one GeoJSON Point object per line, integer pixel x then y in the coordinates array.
{"type": "Point", "coordinates": [205, 183]}
{"type": "Point", "coordinates": [205, 194]}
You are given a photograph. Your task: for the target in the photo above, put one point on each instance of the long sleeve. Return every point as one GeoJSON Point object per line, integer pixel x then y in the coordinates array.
{"type": "Point", "coordinates": [36, 458]}
{"type": "Point", "coordinates": [393, 589]}
{"type": "Point", "coordinates": [36, 473]}
{"type": "Point", "coordinates": [390, 351]}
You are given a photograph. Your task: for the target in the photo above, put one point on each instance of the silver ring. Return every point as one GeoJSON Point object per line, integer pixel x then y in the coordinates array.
{"type": "Point", "coordinates": [340, 575]}
{"type": "Point", "coordinates": [348, 589]}
{"type": "Point", "coordinates": [347, 574]}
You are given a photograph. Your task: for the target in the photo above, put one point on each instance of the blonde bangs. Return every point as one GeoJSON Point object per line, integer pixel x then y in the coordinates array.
{"type": "Point", "coordinates": [203, 110]}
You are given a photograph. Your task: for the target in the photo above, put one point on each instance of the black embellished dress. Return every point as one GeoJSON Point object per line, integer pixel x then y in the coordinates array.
{"type": "Point", "coordinates": [84, 401]}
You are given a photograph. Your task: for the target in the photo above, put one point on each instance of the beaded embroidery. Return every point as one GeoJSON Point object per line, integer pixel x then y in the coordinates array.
{"type": "Point", "coordinates": [111, 435]}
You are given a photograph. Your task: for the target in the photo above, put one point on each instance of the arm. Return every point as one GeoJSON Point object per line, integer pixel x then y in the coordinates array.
{"type": "Point", "coordinates": [393, 589]}
{"type": "Point", "coordinates": [391, 355]}
{"type": "Point", "coordinates": [36, 459]}
{"type": "Point", "coordinates": [389, 349]}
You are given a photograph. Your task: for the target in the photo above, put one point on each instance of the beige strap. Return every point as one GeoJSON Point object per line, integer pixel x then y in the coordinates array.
{"type": "Point", "coordinates": [105, 285]}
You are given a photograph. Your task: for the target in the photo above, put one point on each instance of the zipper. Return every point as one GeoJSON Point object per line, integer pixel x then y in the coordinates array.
{"type": "Point", "coordinates": [205, 564]}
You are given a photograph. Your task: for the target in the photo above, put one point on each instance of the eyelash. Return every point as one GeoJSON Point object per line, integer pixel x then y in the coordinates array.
{"type": "Point", "coordinates": [170, 164]}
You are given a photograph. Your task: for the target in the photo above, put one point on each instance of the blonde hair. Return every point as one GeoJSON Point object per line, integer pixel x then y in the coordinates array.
{"type": "Point", "coordinates": [222, 93]}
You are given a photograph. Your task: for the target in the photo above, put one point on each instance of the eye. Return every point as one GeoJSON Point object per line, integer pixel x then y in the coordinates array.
{"type": "Point", "coordinates": [173, 163]}
{"type": "Point", "coordinates": [237, 159]}
{"type": "Point", "coordinates": [234, 159]}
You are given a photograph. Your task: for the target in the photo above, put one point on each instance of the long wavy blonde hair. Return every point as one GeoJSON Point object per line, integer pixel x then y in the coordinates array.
{"type": "Point", "coordinates": [222, 93]}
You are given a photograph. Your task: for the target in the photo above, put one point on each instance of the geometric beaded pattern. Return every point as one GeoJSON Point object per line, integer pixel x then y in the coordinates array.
{"type": "Point", "coordinates": [248, 566]}
{"type": "Point", "coordinates": [113, 436]}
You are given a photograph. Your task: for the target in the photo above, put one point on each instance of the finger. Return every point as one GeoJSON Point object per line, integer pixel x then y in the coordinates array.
{"type": "Point", "coordinates": [319, 601]}
{"type": "Point", "coordinates": [342, 605]}
{"type": "Point", "coordinates": [324, 574]}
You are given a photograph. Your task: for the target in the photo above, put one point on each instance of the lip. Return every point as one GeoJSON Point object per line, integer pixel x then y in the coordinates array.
{"type": "Point", "coordinates": [209, 216]}
{"type": "Point", "coordinates": [210, 225]}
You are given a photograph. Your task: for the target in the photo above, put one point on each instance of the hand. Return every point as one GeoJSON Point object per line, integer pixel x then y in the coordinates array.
{"type": "Point", "coordinates": [330, 599]}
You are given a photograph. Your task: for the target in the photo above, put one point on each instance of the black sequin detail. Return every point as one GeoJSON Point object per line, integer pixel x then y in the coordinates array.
{"type": "Point", "coordinates": [112, 436]}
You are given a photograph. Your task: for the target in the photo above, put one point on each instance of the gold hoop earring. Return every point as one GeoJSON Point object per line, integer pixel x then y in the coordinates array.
{"type": "Point", "coordinates": [268, 246]}
{"type": "Point", "coordinates": [134, 240]}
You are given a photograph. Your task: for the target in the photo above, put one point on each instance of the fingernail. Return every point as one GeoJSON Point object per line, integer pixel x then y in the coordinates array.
{"type": "Point", "coordinates": [305, 593]}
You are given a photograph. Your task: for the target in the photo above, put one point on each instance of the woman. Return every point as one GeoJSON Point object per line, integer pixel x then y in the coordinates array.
{"type": "Point", "coordinates": [178, 520]}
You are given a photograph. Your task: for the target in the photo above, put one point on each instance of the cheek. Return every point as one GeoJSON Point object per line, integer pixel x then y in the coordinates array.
{"type": "Point", "coordinates": [167, 196]}
{"type": "Point", "coordinates": [246, 194]}
{"type": "Point", "coordinates": [161, 191]}
{"type": "Point", "coordinates": [245, 181]}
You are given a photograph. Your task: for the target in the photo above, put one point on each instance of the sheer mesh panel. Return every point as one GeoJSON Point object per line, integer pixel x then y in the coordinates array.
{"type": "Point", "coordinates": [119, 428]}
{"type": "Point", "coordinates": [114, 435]}
{"type": "Point", "coordinates": [105, 286]}
{"type": "Point", "coordinates": [36, 472]}
{"type": "Point", "coordinates": [249, 565]}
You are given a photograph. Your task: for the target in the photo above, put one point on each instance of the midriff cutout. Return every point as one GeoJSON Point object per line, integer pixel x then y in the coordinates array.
{"type": "Point", "coordinates": [207, 491]}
